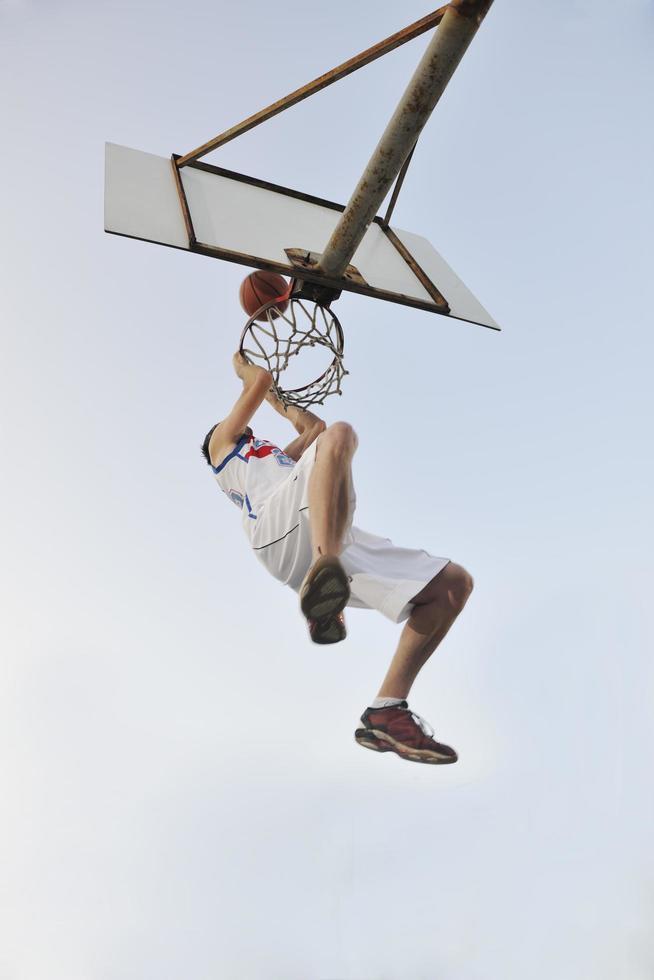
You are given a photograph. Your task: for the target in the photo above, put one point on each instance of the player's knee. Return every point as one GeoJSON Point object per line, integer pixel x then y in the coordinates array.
{"type": "Point", "coordinates": [459, 586]}
{"type": "Point", "coordinates": [341, 436]}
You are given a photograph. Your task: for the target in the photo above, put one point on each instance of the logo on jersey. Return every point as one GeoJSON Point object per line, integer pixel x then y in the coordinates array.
{"type": "Point", "coordinates": [235, 497]}
{"type": "Point", "coordinates": [240, 500]}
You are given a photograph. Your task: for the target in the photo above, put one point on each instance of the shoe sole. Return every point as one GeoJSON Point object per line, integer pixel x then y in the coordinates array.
{"type": "Point", "coordinates": [378, 741]}
{"type": "Point", "coordinates": [327, 593]}
{"type": "Point", "coordinates": [329, 631]}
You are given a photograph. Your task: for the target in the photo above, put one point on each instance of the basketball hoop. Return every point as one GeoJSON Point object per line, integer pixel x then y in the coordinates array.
{"type": "Point", "coordinates": [271, 337]}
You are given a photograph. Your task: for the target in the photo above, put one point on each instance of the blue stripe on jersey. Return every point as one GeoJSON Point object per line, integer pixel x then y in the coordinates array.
{"type": "Point", "coordinates": [235, 452]}
{"type": "Point", "coordinates": [249, 507]}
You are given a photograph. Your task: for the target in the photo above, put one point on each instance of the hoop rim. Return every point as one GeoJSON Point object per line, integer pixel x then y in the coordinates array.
{"type": "Point", "coordinates": [340, 336]}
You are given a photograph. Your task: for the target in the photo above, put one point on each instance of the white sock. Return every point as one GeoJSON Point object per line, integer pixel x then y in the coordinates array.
{"type": "Point", "coordinates": [386, 702]}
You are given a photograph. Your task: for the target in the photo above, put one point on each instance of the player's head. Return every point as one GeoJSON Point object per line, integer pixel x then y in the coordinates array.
{"type": "Point", "coordinates": [207, 440]}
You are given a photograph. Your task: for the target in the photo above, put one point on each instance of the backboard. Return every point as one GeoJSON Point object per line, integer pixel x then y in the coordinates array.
{"type": "Point", "coordinates": [229, 216]}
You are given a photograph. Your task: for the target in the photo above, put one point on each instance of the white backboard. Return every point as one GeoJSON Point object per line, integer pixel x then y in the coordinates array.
{"type": "Point", "coordinates": [240, 219]}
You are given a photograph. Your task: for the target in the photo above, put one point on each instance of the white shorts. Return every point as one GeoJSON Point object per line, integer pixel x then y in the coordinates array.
{"type": "Point", "coordinates": [382, 576]}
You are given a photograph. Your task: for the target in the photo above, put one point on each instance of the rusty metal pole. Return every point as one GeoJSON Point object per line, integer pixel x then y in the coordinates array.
{"type": "Point", "coordinates": [457, 29]}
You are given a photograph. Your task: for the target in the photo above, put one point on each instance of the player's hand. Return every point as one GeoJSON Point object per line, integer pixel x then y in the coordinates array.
{"type": "Point", "coordinates": [240, 365]}
{"type": "Point", "coordinates": [248, 372]}
{"type": "Point", "coordinates": [273, 399]}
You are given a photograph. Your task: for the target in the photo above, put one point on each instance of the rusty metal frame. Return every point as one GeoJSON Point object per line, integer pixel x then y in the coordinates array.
{"type": "Point", "coordinates": [183, 200]}
{"type": "Point", "coordinates": [459, 21]}
{"type": "Point", "coordinates": [458, 26]}
{"type": "Point", "coordinates": [323, 81]}
{"type": "Point", "coordinates": [438, 304]}
{"type": "Point", "coordinates": [439, 300]}
{"type": "Point", "coordinates": [398, 186]}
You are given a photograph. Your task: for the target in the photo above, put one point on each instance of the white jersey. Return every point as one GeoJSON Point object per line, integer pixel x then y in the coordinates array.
{"type": "Point", "coordinates": [250, 473]}
{"type": "Point", "coordinates": [273, 495]}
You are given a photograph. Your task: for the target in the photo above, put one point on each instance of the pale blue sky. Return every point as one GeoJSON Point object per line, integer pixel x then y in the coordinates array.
{"type": "Point", "coordinates": [182, 793]}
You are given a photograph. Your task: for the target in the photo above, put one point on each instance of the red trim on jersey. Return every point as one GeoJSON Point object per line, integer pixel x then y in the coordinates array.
{"type": "Point", "coordinates": [261, 452]}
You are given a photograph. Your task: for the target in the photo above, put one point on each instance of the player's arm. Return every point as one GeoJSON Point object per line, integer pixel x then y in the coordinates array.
{"type": "Point", "coordinates": [307, 425]}
{"type": "Point", "coordinates": [256, 383]}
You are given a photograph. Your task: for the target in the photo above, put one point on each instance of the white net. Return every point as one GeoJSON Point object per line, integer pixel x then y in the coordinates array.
{"type": "Point", "coordinates": [303, 327]}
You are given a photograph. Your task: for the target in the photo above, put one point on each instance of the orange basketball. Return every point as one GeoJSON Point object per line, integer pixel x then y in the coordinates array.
{"type": "Point", "coordinates": [263, 287]}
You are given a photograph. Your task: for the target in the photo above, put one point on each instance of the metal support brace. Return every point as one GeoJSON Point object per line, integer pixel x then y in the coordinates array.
{"type": "Point", "coordinates": [450, 42]}
{"type": "Point", "coordinates": [353, 64]}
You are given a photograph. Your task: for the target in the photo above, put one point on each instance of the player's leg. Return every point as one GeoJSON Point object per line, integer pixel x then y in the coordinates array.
{"type": "Point", "coordinates": [389, 724]}
{"type": "Point", "coordinates": [326, 590]}
{"type": "Point", "coordinates": [330, 489]}
{"type": "Point", "coordinates": [435, 609]}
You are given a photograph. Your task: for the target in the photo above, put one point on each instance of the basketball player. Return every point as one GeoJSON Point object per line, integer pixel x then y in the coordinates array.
{"type": "Point", "coordinates": [297, 506]}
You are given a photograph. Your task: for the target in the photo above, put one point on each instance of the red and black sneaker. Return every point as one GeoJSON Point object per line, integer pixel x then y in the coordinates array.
{"type": "Point", "coordinates": [323, 596]}
{"type": "Point", "coordinates": [400, 730]}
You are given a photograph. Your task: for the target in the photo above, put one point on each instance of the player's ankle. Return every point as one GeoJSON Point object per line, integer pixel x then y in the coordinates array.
{"type": "Point", "coordinates": [325, 553]}
{"type": "Point", "coordinates": [386, 702]}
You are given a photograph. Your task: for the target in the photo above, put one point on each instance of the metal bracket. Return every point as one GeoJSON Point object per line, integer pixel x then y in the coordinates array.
{"type": "Point", "coordinates": [303, 259]}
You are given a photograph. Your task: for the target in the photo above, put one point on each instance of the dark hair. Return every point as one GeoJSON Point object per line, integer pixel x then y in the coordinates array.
{"type": "Point", "coordinates": [207, 440]}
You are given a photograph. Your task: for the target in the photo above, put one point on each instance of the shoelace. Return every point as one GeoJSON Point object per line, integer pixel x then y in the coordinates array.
{"type": "Point", "coordinates": [422, 724]}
